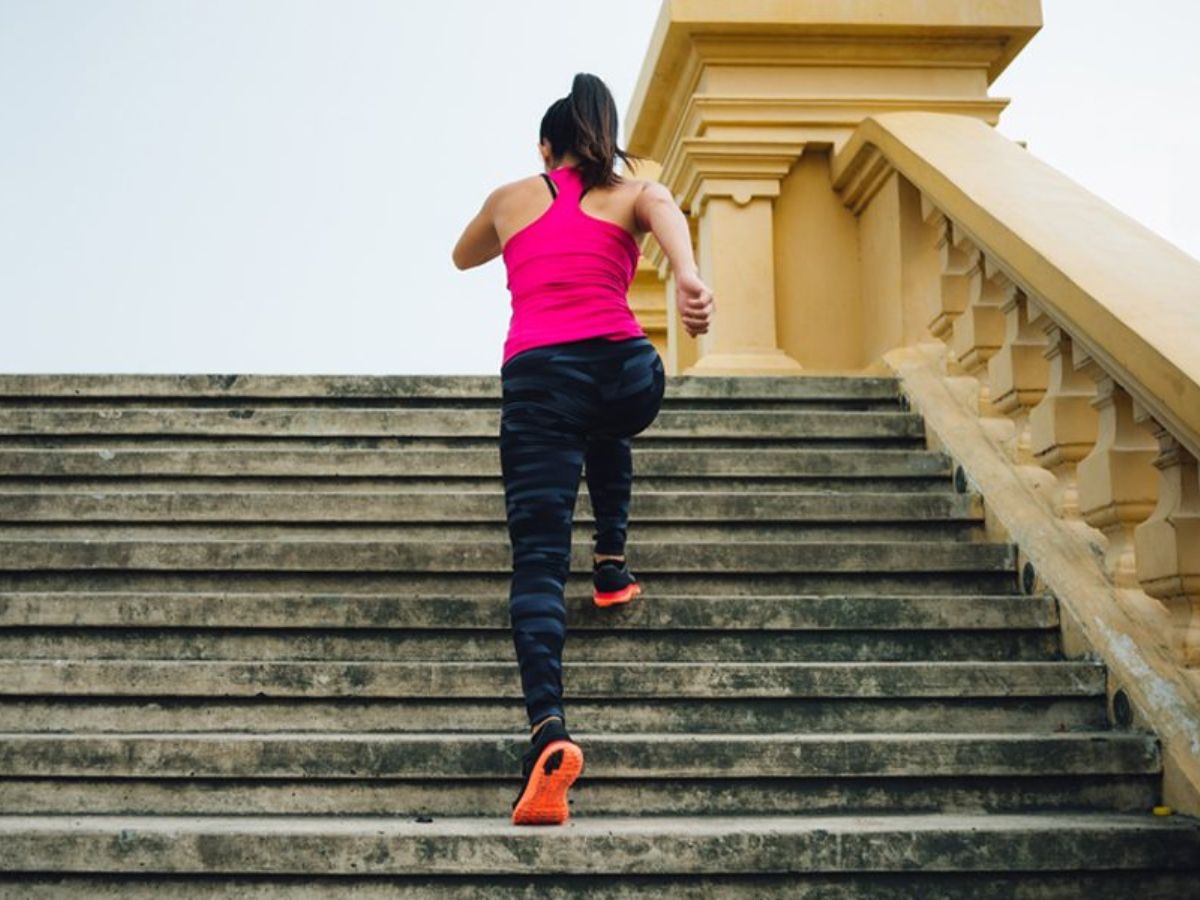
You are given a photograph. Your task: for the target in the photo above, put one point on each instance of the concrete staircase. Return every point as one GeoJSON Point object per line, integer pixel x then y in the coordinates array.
{"type": "Point", "coordinates": [254, 642]}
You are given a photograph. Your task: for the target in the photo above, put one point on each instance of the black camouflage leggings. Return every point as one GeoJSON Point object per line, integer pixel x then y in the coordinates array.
{"type": "Point", "coordinates": [564, 404]}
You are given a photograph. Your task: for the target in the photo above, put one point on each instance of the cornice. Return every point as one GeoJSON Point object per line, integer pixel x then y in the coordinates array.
{"type": "Point", "coordinates": [689, 35]}
{"type": "Point", "coordinates": [703, 111]}
{"type": "Point", "coordinates": [787, 124]}
{"type": "Point", "coordinates": [701, 167]}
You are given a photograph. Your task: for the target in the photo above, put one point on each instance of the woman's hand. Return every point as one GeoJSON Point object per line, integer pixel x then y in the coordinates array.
{"type": "Point", "coordinates": [694, 301]}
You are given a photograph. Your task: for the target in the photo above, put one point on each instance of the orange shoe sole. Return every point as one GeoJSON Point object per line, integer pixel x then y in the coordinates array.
{"type": "Point", "coordinates": [544, 800]}
{"type": "Point", "coordinates": [613, 597]}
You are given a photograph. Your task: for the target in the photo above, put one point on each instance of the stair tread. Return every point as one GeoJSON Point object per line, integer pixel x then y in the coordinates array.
{"type": "Point", "coordinates": [499, 679]}
{"type": "Point", "coordinates": [632, 824]}
{"type": "Point", "coordinates": [331, 387]}
{"type": "Point", "coordinates": [443, 737]}
{"type": "Point", "coordinates": [488, 845]}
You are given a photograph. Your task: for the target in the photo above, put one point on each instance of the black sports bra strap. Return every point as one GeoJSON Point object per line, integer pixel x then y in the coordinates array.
{"type": "Point", "coordinates": [550, 182]}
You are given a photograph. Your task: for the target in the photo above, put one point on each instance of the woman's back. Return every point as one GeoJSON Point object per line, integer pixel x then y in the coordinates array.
{"type": "Point", "coordinates": [569, 271]}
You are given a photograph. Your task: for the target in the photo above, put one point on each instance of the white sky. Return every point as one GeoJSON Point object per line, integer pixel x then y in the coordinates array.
{"type": "Point", "coordinates": [275, 186]}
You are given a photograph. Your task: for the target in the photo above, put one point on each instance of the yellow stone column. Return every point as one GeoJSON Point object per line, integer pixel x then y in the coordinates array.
{"type": "Point", "coordinates": [736, 260]}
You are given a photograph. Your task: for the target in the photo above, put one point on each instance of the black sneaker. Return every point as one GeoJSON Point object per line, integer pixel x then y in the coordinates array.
{"type": "Point", "coordinates": [613, 583]}
{"type": "Point", "coordinates": [549, 767]}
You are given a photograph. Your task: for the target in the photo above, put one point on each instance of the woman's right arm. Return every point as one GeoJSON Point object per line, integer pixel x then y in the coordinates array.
{"type": "Point", "coordinates": [658, 212]}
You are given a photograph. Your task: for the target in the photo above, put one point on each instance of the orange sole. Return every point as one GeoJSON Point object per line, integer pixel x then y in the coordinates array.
{"type": "Point", "coordinates": [544, 800]}
{"type": "Point", "coordinates": [612, 597]}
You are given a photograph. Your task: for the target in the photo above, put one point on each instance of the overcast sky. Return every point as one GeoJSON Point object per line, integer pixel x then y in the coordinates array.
{"type": "Point", "coordinates": [275, 186]}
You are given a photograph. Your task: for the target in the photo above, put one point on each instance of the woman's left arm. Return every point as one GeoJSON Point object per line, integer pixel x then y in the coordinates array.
{"type": "Point", "coordinates": [479, 242]}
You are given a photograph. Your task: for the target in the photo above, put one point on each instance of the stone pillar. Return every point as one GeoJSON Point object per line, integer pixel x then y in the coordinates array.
{"type": "Point", "coordinates": [736, 260]}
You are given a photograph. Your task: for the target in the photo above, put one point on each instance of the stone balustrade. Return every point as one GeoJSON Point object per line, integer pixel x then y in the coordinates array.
{"type": "Point", "coordinates": [1070, 408]}
{"type": "Point", "coordinates": [1067, 331]}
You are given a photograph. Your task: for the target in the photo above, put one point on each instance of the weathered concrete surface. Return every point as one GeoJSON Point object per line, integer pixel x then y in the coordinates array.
{"type": "Point", "coordinates": [499, 679]}
{"type": "Point", "coordinates": [387, 460]}
{"type": "Point", "coordinates": [1109, 885]}
{"type": "Point", "coordinates": [304, 609]}
{"type": "Point", "coordinates": [334, 585]}
{"type": "Point", "coordinates": [463, 643]}
{"type": "Point", "coordinates": [1021, 714]}
{"type": "Point", "coordinates": [312, 422]}
{"type": "Point", "coordinates": [655, 756]}
{"type": "Point", "coordinates": [483, 506]}
{"type": "Point", "coordinates": [280, 629]}
{"type": "Point", "coordinates": [711, 796]}
{"type": "Point", "coordinates": [341, 388]}
{"type": "Point", "coordinates": [486, 846]}
{"type": "Point", "coordinates": [1043, 885]}
{"type": "Point", "coordinates": [178, 551]}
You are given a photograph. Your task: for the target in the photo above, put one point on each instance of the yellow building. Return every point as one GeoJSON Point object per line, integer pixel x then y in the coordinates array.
{"type": "Point", "coordinates": [855, 212]}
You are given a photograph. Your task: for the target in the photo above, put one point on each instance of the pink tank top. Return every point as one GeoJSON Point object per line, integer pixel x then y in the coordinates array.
{"type": "Point", "coordinates": [569, 274]}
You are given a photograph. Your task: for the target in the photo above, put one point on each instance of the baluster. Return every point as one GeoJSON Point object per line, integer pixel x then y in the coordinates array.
{"type": "Point", "coordinates": [979, 332]}
{"type": "Point", "coordinates": [1062, 427]}
{"type": "Point", "coordinates": [1167, 545]}
{"type": "Point", "coordinates": [957, 257]}
{"type": "Point", "coordinates": [1117, 480]}
{"type": "Point", "coordinates": [1018, 372]}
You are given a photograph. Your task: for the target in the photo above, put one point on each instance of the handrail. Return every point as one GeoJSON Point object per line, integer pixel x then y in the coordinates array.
{"type": "Point", "coordinates": [1130, 298]}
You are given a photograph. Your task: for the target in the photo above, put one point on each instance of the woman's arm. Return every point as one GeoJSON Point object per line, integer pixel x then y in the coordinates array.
{"type": "Point", "coordinates": [656, 209]}
{"type": "Point", "coordinates": [479, 242]}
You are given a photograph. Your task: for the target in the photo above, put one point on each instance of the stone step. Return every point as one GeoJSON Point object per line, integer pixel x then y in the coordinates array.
{"type": "Point", "coordinates": [586, 645]}
{"type": "Point", "coordinates": [746, 715]}
{"type": "Point", "coordinates": [348, 553]}
{"type": "Point", "coordinates": [421, 515]}
{"type": "Point", "coordinates": [483, 506]}
{"type": "Point", "coordinates": [680, 533]}
{"type": "Point", "coordinates": [325, 421]}
{"type": "Point", "coordinates": [1105, 884]}
{"type": "Point", "coordinates": [606, 756]}
{"type": "Point", "coordinates": [486, 847]}
{"type": "Point", "coordinates": [499, 679]}
{"type": "Point", "coordinates": [446, 443]}
{"type": "Point", "coordinates": [846, 487]}
{"type": "Point", "coordinates": [262, 458]}
{"type": "Point", "coordinates": [338, 389]}
{"type": "Point", "coordinates": [950, 530]}
{"type": "Point", "coordinates": [861, 583]}
{"type": "Point", "coordinates": [671, 401]}
{"type": "Point", "coordinates": [718, 796]}
{"type": "Point", "coordinates": [338, 608]}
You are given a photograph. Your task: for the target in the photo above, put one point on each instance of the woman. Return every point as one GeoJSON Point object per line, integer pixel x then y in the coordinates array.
{"type": "Point", "coordinates": [579, 378]}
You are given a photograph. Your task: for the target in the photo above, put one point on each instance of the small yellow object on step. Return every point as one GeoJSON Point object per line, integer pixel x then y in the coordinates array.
{"type": "Point", "coordinates": [1163, 811]}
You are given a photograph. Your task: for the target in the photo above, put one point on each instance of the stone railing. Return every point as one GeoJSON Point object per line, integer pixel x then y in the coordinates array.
{"type": "Point", "coordinates": [1072, 332]}
{"type": "Point", "coordinates": [1080, 328]}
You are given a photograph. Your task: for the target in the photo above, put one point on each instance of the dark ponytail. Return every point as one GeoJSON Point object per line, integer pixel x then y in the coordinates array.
{"type": "Point", "coordinates": [585, 123]}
